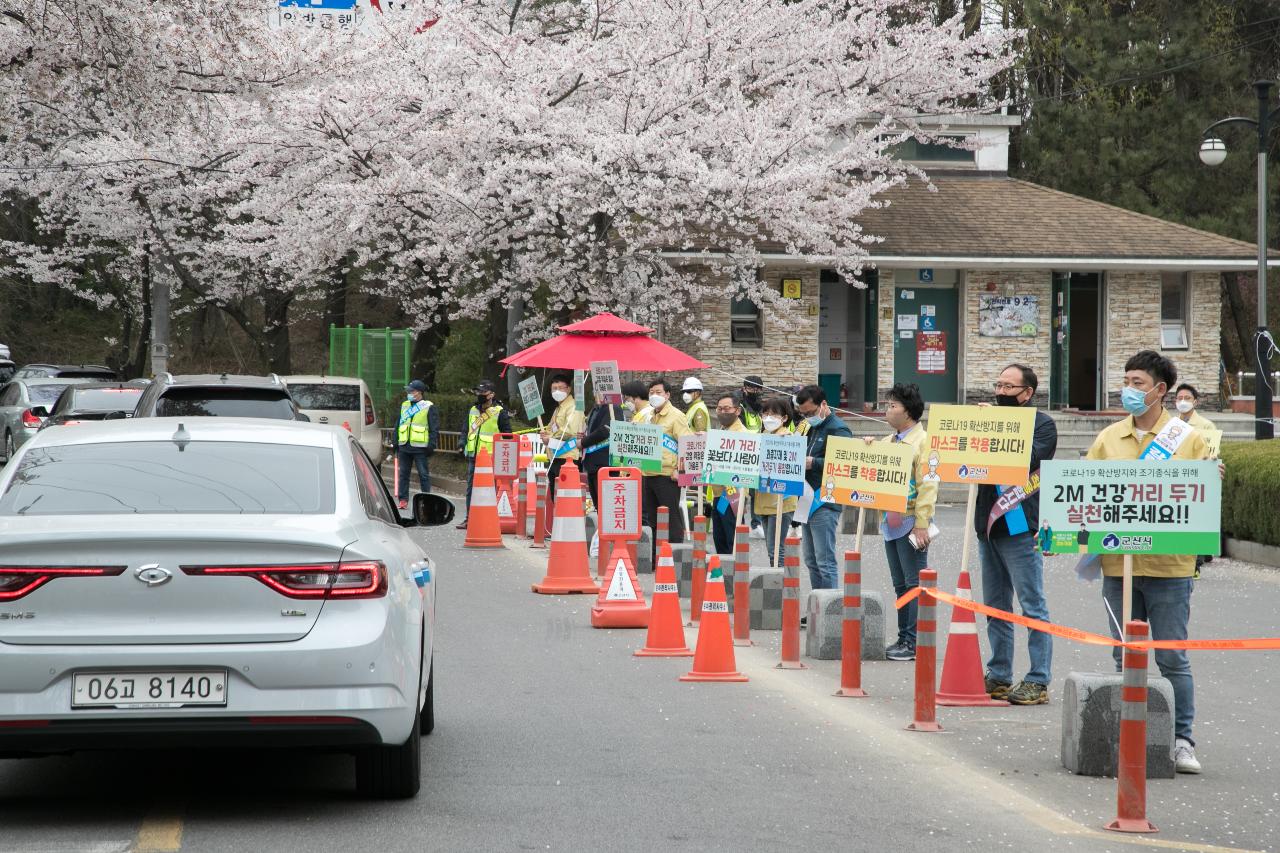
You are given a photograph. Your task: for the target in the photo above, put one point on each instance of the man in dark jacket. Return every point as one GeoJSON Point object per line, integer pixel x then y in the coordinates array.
{"type": "Point", "coordinates": [594, 442]}
{"type": "Point", "coordinates": [824, 517]}
{"type": "Point", "coordinates": [1006, 520]}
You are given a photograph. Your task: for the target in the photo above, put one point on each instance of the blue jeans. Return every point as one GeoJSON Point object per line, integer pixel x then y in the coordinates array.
{"type": "Point", "coordinates": [770, 526]}
{"type": "Point", "coordinates": [820, 545]}
{"type": "Point", "coordinates": [905, 563]}
{"type": "Point", "coordinates": [471, 476]}
{"type": "Point", "coordinates": [1165, 604]}
{"type": "Point", "coordinates": [408, 460]}
{"type": "Point", "coordinates": [1014, 564]}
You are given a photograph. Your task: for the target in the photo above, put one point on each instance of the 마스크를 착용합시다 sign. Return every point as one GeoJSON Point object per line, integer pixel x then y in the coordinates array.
{"type": "Point", "coordinates": [732, 459]}
{"type": "Point", "coordinates": [869, 476]}
{"type": "Point", "coordinates": [693, 448]}
{"type": "Point", "coordinates": [636, 445]}
{"type": "Point", "coordinates": [1131, 507]}
{"type": "Point", "coordinates": [782, 464]}
{"type": "Point", "coordinates": [980, 444]}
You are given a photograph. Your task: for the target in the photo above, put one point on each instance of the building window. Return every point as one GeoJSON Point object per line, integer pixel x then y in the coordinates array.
{"type": "Point", "coordinates": [744, 324]}
{"type": "Point", "coordinates": [1175, 310]}
{"type": "Point", "coordinates": [916, 151]}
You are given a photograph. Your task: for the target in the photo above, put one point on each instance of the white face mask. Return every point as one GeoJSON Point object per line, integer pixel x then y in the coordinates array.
{"type": "Point", "coordinates": [771, 423]}
{"type": "Point", "coordinates": [559, 396]}
{"type": "Point", "coordinates": [1185, 406]}
{"type": "Point", "coordinates": [657, 401]}
{"type": "Point", "coordinates": [687, 397]}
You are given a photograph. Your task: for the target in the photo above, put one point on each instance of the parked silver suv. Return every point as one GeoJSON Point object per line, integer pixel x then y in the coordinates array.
{"type": "Point", "coordinates": [218, 395]}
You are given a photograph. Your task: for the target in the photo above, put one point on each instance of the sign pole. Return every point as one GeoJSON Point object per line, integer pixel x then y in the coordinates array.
{"type": "Point", "coordinates": [1127, 602]}
{"type": "Point", "coordinates": [857, 542]}
{"type": "Point", "coordinates": [777, 533]}
{"type": "Point", "coordinates": [968, 527]}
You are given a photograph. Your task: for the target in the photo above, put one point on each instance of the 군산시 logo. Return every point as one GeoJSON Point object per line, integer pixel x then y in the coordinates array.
{"type": "Point", "coordinates": [1111, 542]}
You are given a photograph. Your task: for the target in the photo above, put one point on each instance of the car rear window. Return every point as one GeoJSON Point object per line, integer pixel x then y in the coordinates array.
{"type": "Point", "coordinates": [45, 393]}
{"type": "Point", "coordinates": [329, 398]}
{"type": "Point", "coordinates": [225, 403]}
{"type": "Point", "coordinates": [201, 477]}
{"type": "Point", "coordinates": [106, 399]}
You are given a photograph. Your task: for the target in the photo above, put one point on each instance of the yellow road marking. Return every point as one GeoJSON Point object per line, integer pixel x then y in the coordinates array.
{"type": "Point", "coordinates": [160, 833]}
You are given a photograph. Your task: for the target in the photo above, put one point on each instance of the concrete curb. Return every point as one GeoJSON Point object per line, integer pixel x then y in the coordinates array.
{"type": "Point", "coordinates": [1252, 552]}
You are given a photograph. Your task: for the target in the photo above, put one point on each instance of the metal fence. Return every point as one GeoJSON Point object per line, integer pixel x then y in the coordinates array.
{"type": "Point", "coordinates": [378, 356]}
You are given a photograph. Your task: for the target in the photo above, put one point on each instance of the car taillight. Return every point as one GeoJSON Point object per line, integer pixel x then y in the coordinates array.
{"type": "Point", "coordinates": [29, 420]}
{"type": "Point", "coordinates": [17, 581]}
{"type": "Point", "coordinates": [364, 579]}
{"type": "Point", "coordinates": [368, 411]}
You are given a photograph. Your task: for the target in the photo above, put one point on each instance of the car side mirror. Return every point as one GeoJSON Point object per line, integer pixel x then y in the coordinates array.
{"type": "Point", "coordinates": [40, 411]}
{"type": "Point", "coordinates": [432, 510]}
{"type": "Point", "coordinates": [115, 416]}
{"type": "Point", "coordinates": [302, 417]}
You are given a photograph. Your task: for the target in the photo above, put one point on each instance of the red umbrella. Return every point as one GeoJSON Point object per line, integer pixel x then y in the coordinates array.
{"type": "Point", "coordinates": [604, 337]}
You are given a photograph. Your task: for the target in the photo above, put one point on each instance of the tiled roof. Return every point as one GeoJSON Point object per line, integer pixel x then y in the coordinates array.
{"type": "Point", "coordinates": [992, 216]}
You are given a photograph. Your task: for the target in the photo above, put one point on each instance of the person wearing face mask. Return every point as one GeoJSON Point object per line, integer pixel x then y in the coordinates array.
{"type": "Point", "coordinates": [560, 438]}
{"type": "Point", "coordinates": [819, 535]}
{"type": "Point", "coordinates": [635, 395]}
{"type": "Point", "coordinates": [724, 515]}
{"type": "Point", "coordinates": [696, 408]}
{"type": "Point", "coordinates": [1162, 583]}
{"type": "Point", "coordinates": [485, 419]}
{"type": "Point", "coordinates": [775, 419]}
{"type": "Point", "coordinates": [416, 437]}
{"type": "Point", "coordinates": [906, 534]}
{"type": "Point", "coordinates": [1186, 398]}
{"type": "Point", "coordinates": [1012, 562]}
{"type": "Point", "coordinates": [660, 487]}
{"type": "Point", "coordinates": [752, 393]}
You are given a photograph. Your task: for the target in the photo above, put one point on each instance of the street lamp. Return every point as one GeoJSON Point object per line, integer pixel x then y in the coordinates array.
{"type": "Point", "coordinates": [1212, 152]}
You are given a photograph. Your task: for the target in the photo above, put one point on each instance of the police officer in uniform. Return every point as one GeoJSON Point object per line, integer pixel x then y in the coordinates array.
{"type": "Point", "coordinates": [416, 437]}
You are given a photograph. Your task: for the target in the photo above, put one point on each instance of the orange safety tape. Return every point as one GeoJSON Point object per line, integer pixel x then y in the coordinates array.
{"type": "Point", "coordinates": [1246, 644]}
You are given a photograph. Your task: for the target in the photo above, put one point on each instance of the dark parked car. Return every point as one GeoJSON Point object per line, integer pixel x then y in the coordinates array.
{"type": "Point", "coordinates": [7, 369]}
{"type": "Point", "coordinates": [93, 402]}
{"type": "Point", "coordinates": [67, 371]}
{"type": "Point", "coordinates": [209, 395]}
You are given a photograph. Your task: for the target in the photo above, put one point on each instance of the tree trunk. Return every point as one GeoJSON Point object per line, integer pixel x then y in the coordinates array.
{"type": "Point", "coordinates": [275, 331]}
{"type": "Point", "coordinates": [426, 349]}
{"type": "Point", "coordinates": [138, 362]}
{"type": "Point", "coordinates": [1235, 305]}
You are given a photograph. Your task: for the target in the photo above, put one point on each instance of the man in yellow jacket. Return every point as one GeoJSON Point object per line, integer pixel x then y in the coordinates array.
{"type": "Point", "coordinates": [560, 438]}
{"type": "Point", "coordinates": [1161, 582]}
{"type": "Point", "coordinates": [906, 534]}
{"type": "Point", "coordinates": [660, 487]}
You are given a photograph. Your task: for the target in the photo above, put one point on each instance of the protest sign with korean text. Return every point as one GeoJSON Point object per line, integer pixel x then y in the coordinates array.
{"type": "Point", "coordinates": [1213, 438]}
{"type": "Point", "coordinates": [619, 503]}
{"type": "Point", "coordinates": [980, 444]}
{"type": "Point", "coordinates": [606, 384]}
{"type": "Point", "coordinates": [506, 457]}
{"type": "Point", "coordinates": [531, 397]}
{"type": "Point", "coordinates": [636, 446]}
{"type": "Point", "coordinates": [693, 447]}
{"type": "Point", "coordinates": [732, 459]}
{"type": "Point", "coordinates": [1131, 506]}
{"type": "Point", "coordinates": [869, 476]}
{"type": "Point", "coordinates": [782, 464]}
{"type": "Point", "coordinates": [580, 390]}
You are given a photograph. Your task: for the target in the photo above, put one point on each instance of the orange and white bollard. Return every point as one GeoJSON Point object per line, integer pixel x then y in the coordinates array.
{"type": "Point", "coordinates": [742, 586]}
{"type": "Point", "coordinates": [1131, 776]}
{"type": "Point", "coordinates": [522, 509]}
{"type": "Point", "coordinates": [926, 705]}
{"type": "Point", "coordinates": [698, 585]}
{"type": "Point", "coordinates": [851, 628]}
{"type": "Point", "coordinates": [791, 606]}
{"type": "Point", "coordinates": [540, 513]}
{"type": "Point", "coordinates": [663, 534]}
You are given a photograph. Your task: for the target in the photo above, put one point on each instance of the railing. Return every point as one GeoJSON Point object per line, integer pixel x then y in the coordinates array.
{"type": "Point", "coordinates": [448, 441]}
{"type": "Point", "coordinates": [1241, 376]}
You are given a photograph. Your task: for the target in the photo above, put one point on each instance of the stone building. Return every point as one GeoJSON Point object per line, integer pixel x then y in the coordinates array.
{"type": "Point", "coordinates": [983, 271]}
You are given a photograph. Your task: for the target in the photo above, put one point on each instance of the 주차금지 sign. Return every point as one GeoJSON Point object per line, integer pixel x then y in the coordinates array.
{"type": "Point", "coordinates": [636, 445]}
{"type": "Point", "coordinates": [619, 510]}
{"type": "Point", "coordinates": [732, 459]}
{"type": "Point", "coordinates": [506, 457]}
{"type": "Point", "coordinates": [693, 447]}
{"type": "Point", "coordinates": [980, 444]}
{"type": "Point", "coordinates": [531, 397]}
{"type": "Point", "coordinates": [782, 464]}
{"type": "Point", "coordinates": [869, 476]}
{"type": "Point", "coordinates": [1130, 507]}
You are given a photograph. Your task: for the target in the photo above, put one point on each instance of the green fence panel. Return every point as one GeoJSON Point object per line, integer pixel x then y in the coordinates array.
{"type": "Point", "coordinates": [378, 356]}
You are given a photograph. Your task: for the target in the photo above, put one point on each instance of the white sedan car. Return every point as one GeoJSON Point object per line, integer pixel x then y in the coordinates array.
{"type": "Point", "coordinates": [210, 582]}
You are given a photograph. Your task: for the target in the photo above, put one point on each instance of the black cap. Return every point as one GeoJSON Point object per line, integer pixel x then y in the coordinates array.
{"type": "Point", "coordinates": [484, 386]}
{"type": "Point", "coordinates": [753, 380]}
{"type": "Point", "coordinates": [416, 385]}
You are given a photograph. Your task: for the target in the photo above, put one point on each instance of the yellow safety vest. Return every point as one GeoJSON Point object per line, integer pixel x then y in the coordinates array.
{"type": "Point", "coordinates": [751, 420]}
{"type": "Point", "coordinates": [414, 431]}
{"type": "Point", "coordinates": [480, 432]}
{"type": "Point", "coordinates": [698, 405]}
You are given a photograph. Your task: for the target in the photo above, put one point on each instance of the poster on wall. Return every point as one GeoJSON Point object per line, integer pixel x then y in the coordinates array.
{"type": "Point", "coordinates": [1008, 316]}
{"type": "Point", "coordinates": [931, 352]}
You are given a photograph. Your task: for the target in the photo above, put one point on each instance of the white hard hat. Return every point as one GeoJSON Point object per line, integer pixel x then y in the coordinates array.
{"type": "Point", "coordinates": [693, 383]}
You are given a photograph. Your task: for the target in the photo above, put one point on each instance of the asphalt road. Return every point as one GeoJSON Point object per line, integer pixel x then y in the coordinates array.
{"type": "Point", "coordinates": [551, 736]}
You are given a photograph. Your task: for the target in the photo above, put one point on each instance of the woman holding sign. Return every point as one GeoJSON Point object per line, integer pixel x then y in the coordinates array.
{"type": "Point", "coordinates": [775, 510]}
{"type": "Point", "coordinates": [906, 534]}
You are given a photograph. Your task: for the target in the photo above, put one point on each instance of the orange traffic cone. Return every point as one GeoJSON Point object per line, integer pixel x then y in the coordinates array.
{"type": "Point", "coordinates": [713, 659]}
{"type": "Point", "coordinates": [621, 601]}
{"type": "Point", "coordinates": [666, 631]}
{"type": "Point", "coordinates": [567, 568]}
{"type": "Point", "coordinates": [482, 518]}
{"type": "Point", "coordinates": [962, 682]}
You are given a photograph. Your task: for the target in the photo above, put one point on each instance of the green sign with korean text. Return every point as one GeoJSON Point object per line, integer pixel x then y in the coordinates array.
{"type": "Point", "coordinates": [636, 446]}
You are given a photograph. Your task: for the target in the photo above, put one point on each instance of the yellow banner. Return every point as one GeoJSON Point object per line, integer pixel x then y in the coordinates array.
{"type": "Point", "coordinates": [980, 444]}
{"type": "Point", "coordinates": [1213, 438]}
{"type": "Point", "coordinates": [868, 476]}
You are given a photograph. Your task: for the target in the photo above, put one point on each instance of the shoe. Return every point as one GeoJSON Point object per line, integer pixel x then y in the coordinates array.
{"type": "Point", "coordinates": [804, 621]}
{"type": "Point", "coordinates": [1028, 693]}
{"type": "Point", "coordinates": [462, 525]}
{"type": "Point", "coordinates": [901, 651]}
{"type": "Point", "coordinates": [757, 533]}
{"type": "Point", "coordinates": [1184, 757]}
{"type": "Point", "coordinates": [404, 504]}
{"type": "Point", "coordinates": [996, 689]}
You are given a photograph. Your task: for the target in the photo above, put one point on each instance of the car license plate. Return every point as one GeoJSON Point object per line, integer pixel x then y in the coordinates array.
{"type": "Point", "coordinates": [168, 689]}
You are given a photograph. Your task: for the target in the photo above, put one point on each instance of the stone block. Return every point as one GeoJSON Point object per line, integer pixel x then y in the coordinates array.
{"type": "Point", "coordinates": [825, 611]}
{"type": "Point", "coordinates": [1091, 724]}
{"type": "Point", "coordinates": [766, 599]}
{"type": "Point", "coordinates": [682, 555]}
